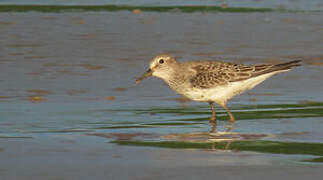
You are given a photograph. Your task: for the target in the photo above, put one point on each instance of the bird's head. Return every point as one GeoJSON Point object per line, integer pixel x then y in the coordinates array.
{"type": "Point", "coordinates": [160, 66]}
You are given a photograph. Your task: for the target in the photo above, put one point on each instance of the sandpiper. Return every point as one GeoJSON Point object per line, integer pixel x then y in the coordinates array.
{"type": "Point", "coordinates": [212, 81]}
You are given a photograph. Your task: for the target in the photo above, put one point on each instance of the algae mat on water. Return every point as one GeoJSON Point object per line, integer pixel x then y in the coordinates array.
{"type": "Point", "coordinates": [198, 115]}
{"type": "Point", "coordinates": [71, 8]}
{"type": "Point", "coordinates": [246, 112]}
{"type": "Point", "coordinates": [275, 147]}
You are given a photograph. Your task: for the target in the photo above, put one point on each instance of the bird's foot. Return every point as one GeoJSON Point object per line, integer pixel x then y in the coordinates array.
{"type": "Point", "coordinates": [212, 121]}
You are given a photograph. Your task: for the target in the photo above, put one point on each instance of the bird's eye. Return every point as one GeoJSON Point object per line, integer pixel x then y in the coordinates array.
{"type": "Point", "coordinates": [161, 61]}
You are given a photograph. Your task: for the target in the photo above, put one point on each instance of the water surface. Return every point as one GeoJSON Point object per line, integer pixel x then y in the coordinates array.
{"type": "Point", "coordinates": [67, 90]}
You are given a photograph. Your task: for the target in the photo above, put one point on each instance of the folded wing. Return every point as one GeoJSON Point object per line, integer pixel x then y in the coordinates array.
{"type": "Point", "coordinates": [210, 74]}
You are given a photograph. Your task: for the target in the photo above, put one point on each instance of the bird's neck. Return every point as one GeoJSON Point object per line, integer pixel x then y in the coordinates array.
{"type": "Point", "coordinates": [176, 79]}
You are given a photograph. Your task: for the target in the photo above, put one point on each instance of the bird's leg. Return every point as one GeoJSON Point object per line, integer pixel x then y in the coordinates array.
{"type": "Point", "coordinates": [232, 119]}
{"type": "Point", "coordinates": [213, 117]}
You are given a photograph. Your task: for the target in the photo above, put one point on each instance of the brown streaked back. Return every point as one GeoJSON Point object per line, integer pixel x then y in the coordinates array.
{"type": "Point", "coordinates": [212, 73]}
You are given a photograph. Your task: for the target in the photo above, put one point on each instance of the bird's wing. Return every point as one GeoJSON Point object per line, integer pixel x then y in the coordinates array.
{"type": "Point", "coordinates": [211, 74]}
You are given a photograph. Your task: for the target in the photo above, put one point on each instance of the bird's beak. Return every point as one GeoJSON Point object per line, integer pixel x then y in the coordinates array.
{"type": "Point", "coordinates": [145, 75]}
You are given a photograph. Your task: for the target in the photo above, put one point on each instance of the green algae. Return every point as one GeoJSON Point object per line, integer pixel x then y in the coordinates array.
{"type": "Point", "coordinates": [171, 124]}
{"type": "Point", "coordinates": [196, 115]}
{"type": "Point", "coordinates": [125, 127]}
{"type": "Point", "coordinates": [283, 113]}
{"type": "Point", "coordinates": [241, 107]}
{"type": "Point", "coordinates": [315, 160]}
{"type": "Point", "coordinates": [146, 125]}
{"type": "Point", "coordinates": [300, 105]}
{"type": "Point", "coordinates": [112, 8]}
{"type": "Point", "coordinates": [206, 110]}
{"type": "Point", "coordinates": [167, 144]}
{"type": "Point", "coordinates": [274, 147]}
{"type": "Point", "coordinates": [247, 112]}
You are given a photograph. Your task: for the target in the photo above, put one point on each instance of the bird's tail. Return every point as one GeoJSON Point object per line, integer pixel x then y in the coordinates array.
{"type": "Point", "coordinates": [286, 66]}
{"type": "Point", "coordinates": [282, 67]}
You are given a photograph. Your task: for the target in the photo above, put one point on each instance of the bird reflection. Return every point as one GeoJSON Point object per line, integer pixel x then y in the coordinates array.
{"type": "Point", "coordinates": [228, 127]}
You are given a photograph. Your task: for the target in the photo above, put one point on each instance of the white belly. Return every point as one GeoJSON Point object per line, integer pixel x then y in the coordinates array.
{"type": "Point", "coordinates": [221, 94]}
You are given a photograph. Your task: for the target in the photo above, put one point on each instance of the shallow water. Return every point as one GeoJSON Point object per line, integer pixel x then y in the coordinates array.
{"type": "Point", "coordinates": [64, 76]}
{"type": "Point", "coordinates": [74, 71]}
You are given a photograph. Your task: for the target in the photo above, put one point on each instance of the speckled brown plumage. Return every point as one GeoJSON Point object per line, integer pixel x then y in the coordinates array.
{"type": "Point", "coordinates": [210, 74]}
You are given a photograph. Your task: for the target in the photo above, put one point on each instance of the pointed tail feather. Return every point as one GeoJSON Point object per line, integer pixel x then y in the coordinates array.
{"type": "Point", "coordinates": [282, 67]}
{"type": "Point", "coordinates": [287, 65]}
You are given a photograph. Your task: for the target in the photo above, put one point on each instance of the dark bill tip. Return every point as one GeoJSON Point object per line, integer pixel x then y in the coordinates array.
{"type": "Point", "coordinates": [145, 75]}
